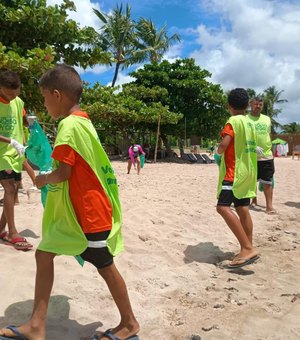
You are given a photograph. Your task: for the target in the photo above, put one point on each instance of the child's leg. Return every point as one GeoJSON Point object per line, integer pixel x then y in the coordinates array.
{"type": "Point", "coordinates": [246, 221]}
{"type": "Point", "coordinates": [8, 215]}
{"type": "Point", "coordinates": [35, 327]}
{"type": "Point", "coordinates": [238, 230]}
{"type": "Point", "coordinates": [138, 162]}
{"type": "Point", "coordinates": [129, 166]}
{"type": "Point", "coordinates": [128, 325]}
{"type": "Point", "coordinates": [268, 191]}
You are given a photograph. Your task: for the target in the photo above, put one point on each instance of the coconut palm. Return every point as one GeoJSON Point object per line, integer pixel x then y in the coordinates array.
{"type": "Point", "coordinates": [118, 34]}
{"type": "Point", "coordinates": [271, 98]}
{"type": "Point", "coordinates": [153, 43]}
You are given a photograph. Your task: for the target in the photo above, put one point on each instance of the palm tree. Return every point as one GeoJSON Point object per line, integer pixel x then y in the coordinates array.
{"type": "Point", "coordinates": [118, 34]}
{"type": "Point", "coordinates": [271, 98]}
{"type": "Point", "coordinates": [291, 128]}
{"type": "Point", "coordinates": [153, 43]}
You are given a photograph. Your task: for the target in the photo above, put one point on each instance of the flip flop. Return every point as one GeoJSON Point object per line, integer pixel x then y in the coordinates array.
{"type": "Point", "coordinates": [14, 242]}
{"type": "Point", "coordinates": [108, 334]}
{"type": "Point", "coordinates": [242, 262]}
{"type": "Point", "coordinates": [271, 212]}
{"type": "Point", "coordinates": [17, 336]}
{"type": "Point", "coordinates": [2, 235]}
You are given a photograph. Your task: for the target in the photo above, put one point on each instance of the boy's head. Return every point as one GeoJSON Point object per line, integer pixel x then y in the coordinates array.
{"type": "Point", "coordinates": [61, 88]}
{"type": "Point", "coordinates": [238, 101]}
{"type": "Point", "coordinates": [9, 85]}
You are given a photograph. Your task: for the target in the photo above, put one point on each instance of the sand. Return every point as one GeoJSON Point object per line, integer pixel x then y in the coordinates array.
{"type": "Point", "coordinates": [177, 247]}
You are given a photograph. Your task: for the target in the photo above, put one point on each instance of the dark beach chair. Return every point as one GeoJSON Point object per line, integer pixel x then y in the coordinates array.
{"type": "Point", "coordinates": [200, 159]}
{"type": "Point", "coordinates": [208, 160]}
{"type": "Point", "coordinates": [188, 158]}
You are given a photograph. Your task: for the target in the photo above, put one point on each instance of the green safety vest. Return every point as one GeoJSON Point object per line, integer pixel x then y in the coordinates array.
{"type": "Point", "coordinates": [61, 232]}
{"type": "Point", "coordinates": [11, 126]}
{"type": "Point", "coordinates": [245, 172]}
{"type": "Point", "coordinates": [262, 125]}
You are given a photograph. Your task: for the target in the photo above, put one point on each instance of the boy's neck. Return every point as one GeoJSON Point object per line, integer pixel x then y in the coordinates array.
{"type": "Point", "coordinates": [69, 110]}
{"type": "Point", "coordinates": [237, 112]}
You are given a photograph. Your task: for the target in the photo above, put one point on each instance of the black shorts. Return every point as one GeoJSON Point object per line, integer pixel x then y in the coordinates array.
{"type": "Point", "coordinates": [227, 197]}
{"type": "Point", "coordinates": [265, 171]}
{"type": "Point", "coordinates": [97, 253]}
{"type": "Point", "coordinates": [17, 176]}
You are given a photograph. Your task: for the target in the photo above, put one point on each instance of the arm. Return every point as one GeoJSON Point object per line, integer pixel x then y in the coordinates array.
{"type": "Point", "coordinates": [61, 174]}
{"type": "Point", "coordinates": [141, 150]}
{"type": "Point", "coordinates": [15, 144]}
{"type": "Point", "coordinates": [224, 144]}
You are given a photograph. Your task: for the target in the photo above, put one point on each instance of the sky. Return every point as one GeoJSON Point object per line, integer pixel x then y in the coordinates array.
{"type": "Point", "coordinates": [251, 44]}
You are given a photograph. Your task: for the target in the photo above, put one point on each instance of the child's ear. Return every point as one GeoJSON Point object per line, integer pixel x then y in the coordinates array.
{"type": "Point", "coordinates": [57, 94]}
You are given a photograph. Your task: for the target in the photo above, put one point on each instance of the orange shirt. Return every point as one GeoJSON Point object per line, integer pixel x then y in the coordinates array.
{"type": "Point", "coordinates": [229, 154]}
{"type": "Point", "coordinates": [90, 202]}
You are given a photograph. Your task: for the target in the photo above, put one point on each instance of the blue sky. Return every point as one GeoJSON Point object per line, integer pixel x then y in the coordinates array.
{"type": "Point", "coordinates": [242, 43]}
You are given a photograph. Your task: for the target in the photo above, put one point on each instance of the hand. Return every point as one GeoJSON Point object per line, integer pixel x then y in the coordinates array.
{"type": "Point", "coordinates": [259, 151]}
{"type": "Point", "coordinates": [40, 181]}
{"type": "Point", "coordinates": [218, 158]}
{"type": "Point", "coordinates": [19, 147]}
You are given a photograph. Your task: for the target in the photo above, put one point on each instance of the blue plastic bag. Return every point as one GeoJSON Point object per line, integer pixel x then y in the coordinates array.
{"type": "Point", "coordinates": [39, 152]}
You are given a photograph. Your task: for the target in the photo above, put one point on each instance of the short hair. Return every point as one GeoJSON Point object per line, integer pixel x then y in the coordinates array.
{"type": "Point", "coordinates": [238, 99]}
{"type": "Point", "coordinates": [257, 99]}
{"type": "Point", "coordinates": [9, 80]}
{"type": "Point", "coordinates": [63, 78]}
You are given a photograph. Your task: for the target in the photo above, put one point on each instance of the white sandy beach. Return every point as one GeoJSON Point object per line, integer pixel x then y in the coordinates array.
{"type": "Point", "coordinates": [176, 250]}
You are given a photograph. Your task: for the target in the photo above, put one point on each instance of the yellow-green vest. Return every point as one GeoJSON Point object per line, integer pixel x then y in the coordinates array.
{"type": "Point", "coordinates": [11, 126]}
{"type": "Point", "coordinates": [245, 172]}
{"type": "Point", "coordinates": [62, 233]}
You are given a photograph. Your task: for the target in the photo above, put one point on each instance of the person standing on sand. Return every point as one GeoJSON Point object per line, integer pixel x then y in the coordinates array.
{"type": "Point", "coordinates": [265, 159]}
{"type": "Point", "coordinates": [134, 152]}
{"type": "Point", "coordinates": [11, 155]}
{"type": "Point", "coordinates": [237, 176]}
{"type": "Point", "coordinates": [82, 215]}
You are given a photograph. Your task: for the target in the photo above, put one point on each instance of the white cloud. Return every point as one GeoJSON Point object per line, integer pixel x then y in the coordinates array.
{"type": "Point", "coordinates": [257, 46]}
{"type": "Point", "coordinates": [84, 15]}
{"type": "Point", "coordinates": [122, 79]}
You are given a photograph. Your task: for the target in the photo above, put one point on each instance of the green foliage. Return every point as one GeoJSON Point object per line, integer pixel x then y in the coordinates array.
{"type": "Point", "coordinates": [118, 37]}
{"type": "Point", "coordinates": [29, 67]}
{"type": "Point", "coordinates": [153, 43]}
{"type": "Point", "coordinates": [293, 128]}
{"type": "Point", "coordinates": [35, 36]}
{"type": "Point", "coordinates": [123, 113]}
{"type": "Point", "coordinates": [28, 24]}
{"type": "Point", "coordinates": [187, 93]}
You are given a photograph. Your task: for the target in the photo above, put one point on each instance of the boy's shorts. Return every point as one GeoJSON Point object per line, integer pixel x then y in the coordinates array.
{"type": "Point", "coordinates": [9, 174]}
{"type": "Point", "coordinates": [227, 197]}
{"type": "Point", "coordinates": [265, 171]}
{"type": "Point", "coordinates": [97, 253]}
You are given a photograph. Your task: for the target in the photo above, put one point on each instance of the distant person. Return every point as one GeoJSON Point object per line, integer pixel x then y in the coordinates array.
{"type": "Point", "coordinates": [265, 159]}
{"type": "Point", "coordinates": [134, 152]}
{"type": "Point", "coordinates": [147, 149]}
{"type": "Point", "coordinates": [11, 155]}
{"type": "Point", "coordinates": [82, 214]}
{"type": "Point", "coordinates": [237, 176]}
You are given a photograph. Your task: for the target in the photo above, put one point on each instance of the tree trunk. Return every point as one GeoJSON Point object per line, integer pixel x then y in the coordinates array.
{"type": "Point", "coordinates": [116, 74]}
{"type": "Point", "coordinates": [157, 137]}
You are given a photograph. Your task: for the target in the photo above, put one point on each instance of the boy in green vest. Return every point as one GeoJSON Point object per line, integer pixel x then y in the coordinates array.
{"type": "Point", "coordinates": [82, 214]}
{"type": "Point", "coordinates": [237, 176]}
{"type": "Point", "coordinates": [11, 155]}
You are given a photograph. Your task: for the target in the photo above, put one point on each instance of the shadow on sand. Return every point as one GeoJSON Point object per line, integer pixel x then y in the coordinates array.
{"type": "Point", "coordinates": [59, 325]}
{"type": "Point", "coordinates": [206, 252]}
{"type": "Point", "coordinates": [293, 204]}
